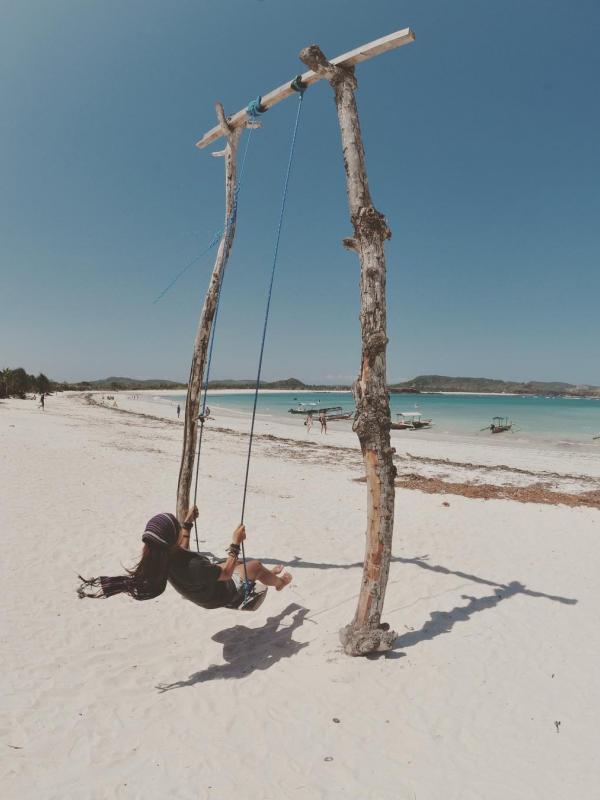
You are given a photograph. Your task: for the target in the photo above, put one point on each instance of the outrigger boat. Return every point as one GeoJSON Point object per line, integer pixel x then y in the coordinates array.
{"type": "Point", "coordinates": [314, 409]}
{"type": "Point", "coordinates": [499, 425]}
{"type": "Point", "coordinates": [410, 421]}
{"type": "Point", "coordinates": [340, 415]}
{"type": "Point", "coordinates": [309, 408]}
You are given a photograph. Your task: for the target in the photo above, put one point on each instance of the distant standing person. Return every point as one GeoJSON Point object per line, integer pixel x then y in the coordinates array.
{"type": "Point", "coordinates": [323, 421]}
{"type": "Point", "coordinates": [42, 401]}
{"type": "Point", "coordinates": [178, 411]}
{"type": "Point", "coordinates": [308, 422]}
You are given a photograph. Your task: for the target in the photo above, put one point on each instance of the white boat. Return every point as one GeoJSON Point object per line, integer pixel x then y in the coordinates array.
{"type": "Point", "coordinates": [411, 421]}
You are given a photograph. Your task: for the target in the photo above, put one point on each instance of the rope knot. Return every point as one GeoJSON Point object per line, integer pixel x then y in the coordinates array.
{"type": "Point", "coordinates": [255, 107]}
{"type": "Point", "coordinates": [298, 84]}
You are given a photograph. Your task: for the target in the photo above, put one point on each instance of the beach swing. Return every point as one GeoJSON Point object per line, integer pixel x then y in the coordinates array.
{"type": "Point", "coordinates": [253, 598]}
{"type": "Point", "coordinates": [364, 634]}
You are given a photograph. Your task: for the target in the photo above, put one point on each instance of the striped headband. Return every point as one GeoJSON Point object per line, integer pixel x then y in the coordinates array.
{"type": "Point", "coordinates": [161, 530]}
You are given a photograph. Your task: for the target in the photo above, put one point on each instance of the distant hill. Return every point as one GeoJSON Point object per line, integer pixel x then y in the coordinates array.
{"type": "Point", "coordinates": [444, 383]}
{"type": "Point", "coordinates": [420, 384]}
{"type": "Point", "coordinates": [115, 383]}
{"type": "Point", "coordinates": [288, 383]}
{"type": "Point", "coordinates": [134, 383]}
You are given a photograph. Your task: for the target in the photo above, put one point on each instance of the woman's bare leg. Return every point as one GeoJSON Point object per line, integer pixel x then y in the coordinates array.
{"type": "Point", "coordinates": [270, 577]}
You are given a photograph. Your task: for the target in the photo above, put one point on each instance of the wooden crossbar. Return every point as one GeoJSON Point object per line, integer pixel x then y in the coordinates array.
{"type": "Point", "coordinates": [362, 53]}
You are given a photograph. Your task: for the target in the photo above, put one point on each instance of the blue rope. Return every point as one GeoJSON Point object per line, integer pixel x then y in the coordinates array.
{"type": "Point", "coordinates": [232, 217]}
{"type": "Point", "coordinates": [255, 107]}
{"type": "Point", "coordinates": [264, 333]}
{"type": "Point", "coordinates": [218, 235]}
{"type": "Point", "coordinates": [215, 240]}
{"type": "Point", "coordinates": [230, 222]}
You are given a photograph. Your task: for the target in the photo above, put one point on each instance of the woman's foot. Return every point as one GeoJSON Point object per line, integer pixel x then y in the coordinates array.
{"type": "Point", "coordinates": [284, 580]}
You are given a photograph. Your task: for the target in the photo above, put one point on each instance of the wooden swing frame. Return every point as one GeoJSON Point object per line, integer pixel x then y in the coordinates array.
{"type": "Point", "coordinates": [365, 634]}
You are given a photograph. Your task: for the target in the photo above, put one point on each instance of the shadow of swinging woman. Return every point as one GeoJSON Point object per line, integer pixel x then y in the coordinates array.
{"type": "Point", "coordinates": [248, 649]}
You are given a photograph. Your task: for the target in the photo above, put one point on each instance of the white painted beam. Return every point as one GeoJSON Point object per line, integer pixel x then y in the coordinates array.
{"type": "Point", "coordinates": [356, 56]}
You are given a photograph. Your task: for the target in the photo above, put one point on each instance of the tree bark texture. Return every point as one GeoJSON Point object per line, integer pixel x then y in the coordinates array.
{"type": "Point", "coordinates": [195, 383]}
{"type": "Point", "coordinates": [366, 634]}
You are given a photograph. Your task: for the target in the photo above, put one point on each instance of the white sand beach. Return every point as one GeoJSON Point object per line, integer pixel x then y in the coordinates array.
{"type": "Point", "coordinates": [491, 691]}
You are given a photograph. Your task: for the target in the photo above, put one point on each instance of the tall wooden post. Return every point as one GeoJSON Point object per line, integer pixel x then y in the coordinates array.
{"type": "Point", "coordinates": [192, 405]}
{"type": "Point", "coordinates": [365, 634]}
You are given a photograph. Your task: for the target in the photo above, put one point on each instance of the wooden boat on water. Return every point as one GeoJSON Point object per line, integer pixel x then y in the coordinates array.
{"type": "Point", "coordinates": [499, 425]}
{"type": "Point", "coordinates": [341, 415]}
{"type": "Point", "coordinates": [410, 421]}
{"type": "Point", "coordinates": [314, 410]}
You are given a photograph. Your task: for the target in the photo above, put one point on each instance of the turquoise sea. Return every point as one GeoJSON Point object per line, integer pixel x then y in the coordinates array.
{"type": "Point", "coordinates": [558, 419]}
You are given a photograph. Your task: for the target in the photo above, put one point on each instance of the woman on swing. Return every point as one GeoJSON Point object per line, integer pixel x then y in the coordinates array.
{"type": "Point", "coordinates": [166, 557]}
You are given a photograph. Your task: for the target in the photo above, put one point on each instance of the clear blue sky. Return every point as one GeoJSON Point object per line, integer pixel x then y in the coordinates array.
{"type": "Point", "coordinates": [483, 150]}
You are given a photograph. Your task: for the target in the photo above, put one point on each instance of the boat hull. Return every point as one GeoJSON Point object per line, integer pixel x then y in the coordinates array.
{"type": "Point", "coordinates": [314, 411]}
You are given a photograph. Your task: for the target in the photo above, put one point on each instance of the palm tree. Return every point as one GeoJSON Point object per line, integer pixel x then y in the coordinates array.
{"type": "Point", "coordinates": [42, 384]}
{"type": "Point", "coordinates": [20, 382]}
{"type": "Point", "coordinates": [5, 377]}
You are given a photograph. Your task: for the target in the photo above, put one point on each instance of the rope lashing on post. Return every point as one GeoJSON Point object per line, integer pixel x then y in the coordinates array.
{"type": "Point", "coordinates": [247, 586]}
{"type": "Point", "coordinates": [256, 107]}
{"type": "Point", "coordinates": [298, 84]}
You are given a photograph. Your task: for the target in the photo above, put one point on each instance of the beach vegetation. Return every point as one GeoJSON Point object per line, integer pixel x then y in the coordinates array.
{"type": "Point", "coordinates": [17, 383]}
{"type": "Point", "coordinates": [43, 384]}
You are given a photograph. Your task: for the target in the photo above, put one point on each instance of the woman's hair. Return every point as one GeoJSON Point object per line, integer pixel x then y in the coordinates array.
{"type": "Point", "coordinates": [148, 578]}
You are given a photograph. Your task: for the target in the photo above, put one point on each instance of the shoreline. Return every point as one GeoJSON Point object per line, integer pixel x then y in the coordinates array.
{"type": "Point", "coordinates": [538, 455]}
{"type": "Point", "coordinates": [218, 391]}
{"type": "Point", "coordinates": [451, 432]}
{"type": "Point", "coordinates": [348, 390]}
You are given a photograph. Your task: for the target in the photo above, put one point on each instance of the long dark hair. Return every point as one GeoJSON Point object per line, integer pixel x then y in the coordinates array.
{"type": "Point", "coordinates": [146, 580]}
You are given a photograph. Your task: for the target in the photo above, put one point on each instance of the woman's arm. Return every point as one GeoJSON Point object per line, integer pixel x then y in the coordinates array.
{"type": "Point", "coordinates": [186, 528]}
{"type": "Point", "coordinates": [228, 567]}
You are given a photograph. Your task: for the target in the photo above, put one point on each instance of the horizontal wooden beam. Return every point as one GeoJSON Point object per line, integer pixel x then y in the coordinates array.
{"type": "Point", "coordinates": [356, 56]}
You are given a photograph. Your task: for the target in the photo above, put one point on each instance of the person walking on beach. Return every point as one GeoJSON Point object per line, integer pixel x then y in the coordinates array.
{"type": "Point", "coordinates": [178, 410]}
{"type": "Point", "coordinates": [42, 401]}
{"type": "Point", "coordinates": [166, 557]}
{"type": "Point", "coordinates": [323, 421]}
{"type": "Point", "coordinates": [308, 422]}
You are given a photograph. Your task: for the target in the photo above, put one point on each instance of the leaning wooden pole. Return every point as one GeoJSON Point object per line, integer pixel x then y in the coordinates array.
{"type": "Point", "coordinates": [198, 366]}
{"type": "Point", "coordinates": [365, 634]}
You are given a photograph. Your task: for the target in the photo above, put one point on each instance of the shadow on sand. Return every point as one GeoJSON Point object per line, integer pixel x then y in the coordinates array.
{"type": "Point", "coordinates": [248, 649]}
{"type": "Point", "coordinates": [439, 622]}
{"type": "Point", "coordinates": [423, 563]}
